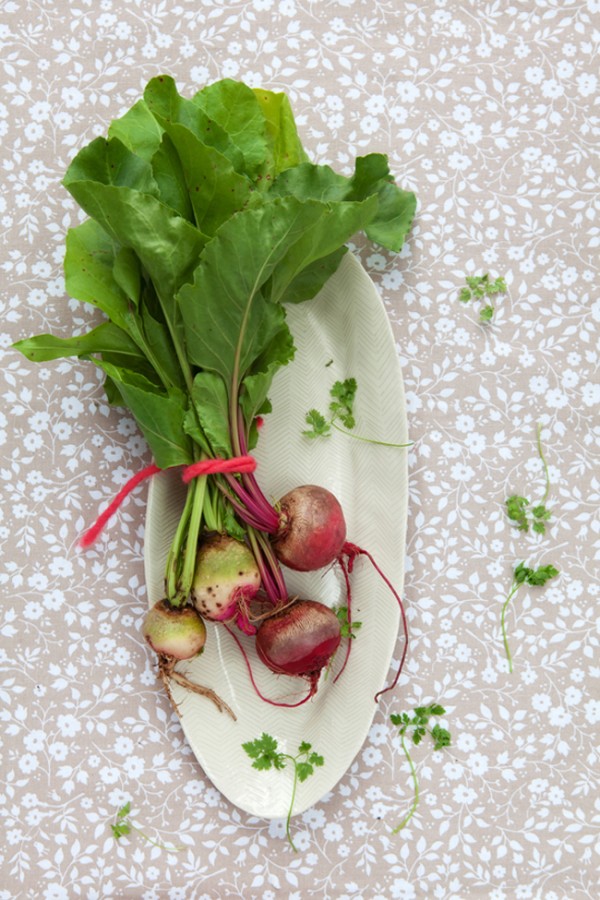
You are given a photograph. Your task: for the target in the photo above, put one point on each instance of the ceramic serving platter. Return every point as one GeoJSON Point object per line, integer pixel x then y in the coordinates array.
{"type": "Point", "coordinates": [344, 332]}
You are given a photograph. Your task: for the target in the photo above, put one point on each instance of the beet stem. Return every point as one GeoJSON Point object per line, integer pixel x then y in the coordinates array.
{"type": "Point", "coordinates": [352, 551]}
{"type": "Point", "coordinates": [344, 569]}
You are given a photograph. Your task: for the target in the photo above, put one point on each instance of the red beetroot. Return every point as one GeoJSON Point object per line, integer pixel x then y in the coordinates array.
{"type": "Point", "coordinates": [312, 529]}
{"type": "Point", "coordinates": [299, 640]}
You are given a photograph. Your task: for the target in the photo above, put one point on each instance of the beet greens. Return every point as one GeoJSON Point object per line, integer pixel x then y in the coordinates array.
{"type": "Point", "coordinates": [206, 218]}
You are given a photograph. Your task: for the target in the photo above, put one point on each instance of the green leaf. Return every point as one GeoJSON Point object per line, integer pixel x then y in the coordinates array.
{"type": "Point", "coordinates": [395, 214]}
{"type": "Point", "coordinates": [319, 426]}
{"type": "Point", "coordinates": [89, 277]}
{"type": "Point", "coordinates": [486, 314]}
{"type": "Point", "coordinates": [540, 512]}
{"type": "Point", "coordinates": [516, 512]}
{"type": "Point", "coordinates": [209, 395]}
{"type": "Point", "coordinates": [125, 810]}
{"type": "Point", "coordinates": [263, 744]}
{"type": "Point", "coordinates": [235, 107]}
{"type": "Point", "coordinates": [215, 189]}
{"type": "Point", "coordinates": [333, 224]}
{"type": "Point", "coordinates": [127, 272]}
{"type": "Point", "coordinates": [341, 407]}
{"type": "Point", "coordinates": [224, 336]}
{"type": "Point", "coordinates": [109, 162]}
{"type": "Point", "coordinates": [285, 145]}
{"type": "Point", "coordinates": [138, 130]}
{"type": "Point", "coordinates": [106, 338]}
{"type": "Point", "coordinates": [521, 573]}
{"type": "Point", "coordinates": [168, 246]}
{"type": "Point", "coordinates": [304, 747]}
{"type": "Point", "coordinates": [155, 339]}
{"type": "Point", "coordinates": [170, 179]}
{"type": "Point", "coordinates": [441, 737]}
{"type": "Point", "coordinates": [391, 217]}
{"type": "Point", "coordinates": [541, 575]}
{"type": "Point", "coordinates": [304, 770]}
{"type": "Point", "coordinates": [313, 277]}
{"type": "Point", "coordinates": [160, 416]}
{"type": "Point", "coordinates": [418, 735]}
{"type": "Point", "coordinates": [166, 105]}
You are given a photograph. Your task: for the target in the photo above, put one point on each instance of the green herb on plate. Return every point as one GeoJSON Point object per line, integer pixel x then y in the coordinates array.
{"type": "Point", "coordinates": [265, 755]}
{"type": "Point", "coordinates": [341, 409]}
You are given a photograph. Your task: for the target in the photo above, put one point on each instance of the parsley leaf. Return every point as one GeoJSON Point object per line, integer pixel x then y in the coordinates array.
{"type": "Point", "coordinates": [264, 751]}
{"type": "Point", "coordinates": [319, 426]}
{"type": "Point", "coordinates": [341, 409]}
{"type": "Point", "coordinates": [523, 574]}
{"type": "Point", "coordinates": [343, 393]}
{"type": "Point", "coordinates": [540, 514]}
{"type": "Point", "coordinates": [123, 826]}
{"type": "Point", "coordinates": [480, 287]}
{"type": "Point", "coordinates": [419, 724]}
{"type": "Point", "coordinates": [347, 629]}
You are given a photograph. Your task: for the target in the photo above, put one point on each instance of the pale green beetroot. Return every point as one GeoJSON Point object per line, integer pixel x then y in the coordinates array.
{"type": "Point", "coordinates": [226, 579]}
{"type": "Point", "coordinates": [176, 632]}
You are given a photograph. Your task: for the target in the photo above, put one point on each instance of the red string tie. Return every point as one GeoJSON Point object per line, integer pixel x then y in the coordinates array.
{"type": "Point", "coordinates": [236, 465]}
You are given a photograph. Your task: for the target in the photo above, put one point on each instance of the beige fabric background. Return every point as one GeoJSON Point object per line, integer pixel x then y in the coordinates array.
{"type": "Point", "coordinates": [486, 111]}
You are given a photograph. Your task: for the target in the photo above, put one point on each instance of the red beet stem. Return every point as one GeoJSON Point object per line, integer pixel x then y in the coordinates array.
{"type": "Point", "coordinates": [344, 569]}
{"type": "Point", "coordinates": [352, 551]}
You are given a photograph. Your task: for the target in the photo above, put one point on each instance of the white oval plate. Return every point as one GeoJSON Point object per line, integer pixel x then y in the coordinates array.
{"type": "Point", "coordinates": [346, 323]}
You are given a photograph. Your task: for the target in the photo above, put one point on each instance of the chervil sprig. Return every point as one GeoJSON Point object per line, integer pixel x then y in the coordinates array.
{"type": "Point", "coordinates": [419, 724]}
{"type": "Point", "coordinates": [540, 514]}
{"type": "Point", "coordinates": [341, 409]}
{"type": "Point", "coordinates": [523, 575]}
{"type": "Point", "coordinates": [347, 629]}
{"type": "Point", "coordinates": [265, 755]}
{"type": "Point", "coordinates": [480, 287]}
{"type": "Point", "coordinates": [123, 825]}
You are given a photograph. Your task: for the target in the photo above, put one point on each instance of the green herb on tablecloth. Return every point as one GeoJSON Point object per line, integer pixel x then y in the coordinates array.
{"type": "Point", "coordinates": [479, 287]}
{"type": "Point", "coordinates": [523, 575]}
{"type": "Point", "coordinates": [419, 725]}
{"type": "Point", "coordinates": [516, 507]}
{"type": "Point", "coordinates": [123, 825]}
{"type": "Point", "coordinates": [265, 755]}
{"type": "Point", "coordinates": [341, 409]}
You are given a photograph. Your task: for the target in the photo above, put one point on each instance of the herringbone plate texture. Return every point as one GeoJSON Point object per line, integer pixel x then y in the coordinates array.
{"type": "Point", "coordinates": [346, 323]}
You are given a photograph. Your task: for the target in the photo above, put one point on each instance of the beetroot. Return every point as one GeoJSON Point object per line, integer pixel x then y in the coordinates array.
{"type": "Point", "coordinates": [299, 640]}
{"type": "Point", "coordinates": [312, 529]}
{"type": "Point", "coordinates": [226, 577]}
{"type": "Point", "coordinates": [175, 632]}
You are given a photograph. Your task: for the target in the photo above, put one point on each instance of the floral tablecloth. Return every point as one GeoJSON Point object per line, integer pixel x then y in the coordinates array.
{"type": "Point", "coordinates": [486, 112]}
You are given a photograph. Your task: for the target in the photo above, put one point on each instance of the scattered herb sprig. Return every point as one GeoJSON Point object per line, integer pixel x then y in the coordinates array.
{"type": "Point", "coordinates": [341, 409]}
{"type": "Point", "coordinates": [419, 725]}
{"type": "Point", "coordinates": [523, 575]}
{"type": "Point", "coordinates": [123, 825]}
{"type": "Point", "coordinates": [347, 629]}
{"type": "Point", "coordinates": [479, 287]}
{"type": "Point", "coordinates": [265, 755]}
{"type": "Point", "coordinates": [516, 506]}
